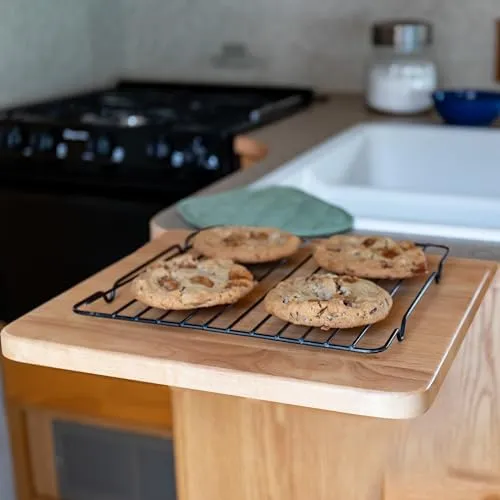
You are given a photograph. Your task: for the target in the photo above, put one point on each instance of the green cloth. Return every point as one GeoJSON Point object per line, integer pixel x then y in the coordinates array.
{"type": "Point", "coordinates": [285, 208]}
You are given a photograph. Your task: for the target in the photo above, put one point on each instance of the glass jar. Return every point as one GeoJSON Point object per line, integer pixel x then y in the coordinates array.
{"type": "Point", "coordinates": [401, 75]}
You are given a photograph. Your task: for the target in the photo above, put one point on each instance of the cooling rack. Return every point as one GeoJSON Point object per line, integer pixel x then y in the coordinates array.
{"type": "Point", "coordinates": [247, 318]}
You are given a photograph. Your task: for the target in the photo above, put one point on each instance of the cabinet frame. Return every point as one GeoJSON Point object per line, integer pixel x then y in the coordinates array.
{"type": "Point", "coordinates": [36, 395]}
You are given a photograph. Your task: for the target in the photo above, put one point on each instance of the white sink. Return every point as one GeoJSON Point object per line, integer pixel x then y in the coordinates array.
{"type": "Point", "coordinates": [422, 179]}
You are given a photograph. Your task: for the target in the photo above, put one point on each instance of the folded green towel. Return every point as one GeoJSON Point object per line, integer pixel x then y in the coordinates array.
{"type": "Point", "coordinates": [283, 207]}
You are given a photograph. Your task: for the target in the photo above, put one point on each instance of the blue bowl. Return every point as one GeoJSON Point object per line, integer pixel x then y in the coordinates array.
{"type": "Point", "coordinates": [467, 107]}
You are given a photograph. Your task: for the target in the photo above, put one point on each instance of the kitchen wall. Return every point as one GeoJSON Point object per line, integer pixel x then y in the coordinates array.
{"type": "Point", "coordinates": [50, 47]}
{"type": "Point", "coordinates": [320, 42]}
{"type": "Point", "coordinates": [56, 46]}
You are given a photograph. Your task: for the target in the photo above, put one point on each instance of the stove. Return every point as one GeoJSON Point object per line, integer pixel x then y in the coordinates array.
{"type": "Point", "coordinates": [143, 135]}
{"type": "Point", "coordinates": [81, 176]}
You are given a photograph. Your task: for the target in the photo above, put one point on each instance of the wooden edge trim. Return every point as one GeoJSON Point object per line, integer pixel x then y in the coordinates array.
{"type": "Point", "coordinates": [351, 400]}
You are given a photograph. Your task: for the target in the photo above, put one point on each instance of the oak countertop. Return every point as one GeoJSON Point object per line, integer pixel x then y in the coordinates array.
{"type": "Point", "coordinates": [287, 138]}
{"type": "Point", "coordinates": [401, 382]}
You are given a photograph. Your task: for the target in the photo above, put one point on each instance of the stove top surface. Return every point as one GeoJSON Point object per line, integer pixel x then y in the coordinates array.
{"type": "Point", "coordinates": [161, 135]}
{"type": "Point", "coordinates": [177, 107]}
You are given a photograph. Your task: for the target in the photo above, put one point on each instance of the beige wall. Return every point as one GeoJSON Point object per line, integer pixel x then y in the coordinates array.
{"type": "Point", "coordinates": [48, 47]}
{"type": "Point", "coordinates": [320, 42]}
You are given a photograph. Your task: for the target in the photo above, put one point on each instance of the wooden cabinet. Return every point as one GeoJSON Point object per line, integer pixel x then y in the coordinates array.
{"type": "Point", "coordinates": [254, 420]}
{"type": "Point", "coordinates": [274, 451]}
{"type": "Point", "coordinates": [41, 401]}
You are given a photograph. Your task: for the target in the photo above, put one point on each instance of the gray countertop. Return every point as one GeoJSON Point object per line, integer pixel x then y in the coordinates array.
{"type": "Point", "coordinates": [289, 137]}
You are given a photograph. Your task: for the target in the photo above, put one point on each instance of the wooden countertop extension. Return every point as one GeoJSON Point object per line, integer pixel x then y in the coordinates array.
{"type": "Point", "coordinates": [400, 383]}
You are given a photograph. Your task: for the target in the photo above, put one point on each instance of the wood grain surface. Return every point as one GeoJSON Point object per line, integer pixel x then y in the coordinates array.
{"type": "Point", "coordinates": [229, 447]}
{"type": "Point", "coordinates": [36, 395]}
{"type": "Point", "coordinates": [399, 383]}
{"type": "Point", "coordinates": [250, 150]}
{"type": "Point", "coordinates": [124, 403]}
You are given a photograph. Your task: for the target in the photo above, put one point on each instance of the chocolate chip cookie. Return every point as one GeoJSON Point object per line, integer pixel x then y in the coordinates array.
{"type": "Point", "coordinates": [328, 301]}
{"type": "Point", "coordinates": [246, 244]}
{"type": "Point", "coordinates": [370, 257]}
{"type": "Point", "coordinates": [188, 282]}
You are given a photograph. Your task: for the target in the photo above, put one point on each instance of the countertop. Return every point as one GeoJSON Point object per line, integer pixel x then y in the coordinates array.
{"type": "Point", "coordinates": [401, 382]}
{"type": "Point", "coordinates": [287, 138]}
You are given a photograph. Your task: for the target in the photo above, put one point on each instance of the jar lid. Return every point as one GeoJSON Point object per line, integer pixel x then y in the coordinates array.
{"type": "Point", "coordinates": [405, 34]}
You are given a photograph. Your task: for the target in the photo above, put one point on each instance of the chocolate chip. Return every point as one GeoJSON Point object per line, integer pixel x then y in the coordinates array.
{"type": "Point", "coordinates": [347, 303]}
{"type": "Point", "coordinates": [369, 242]}
{"type": "Point", "coordinates": [238, 273]}
{"type": "Point", "coordinates": [202, 280]}
{"type": "Point", "coordinates": [259, 235]}
{"type": "Point", "coordinates": [234, 240]}
{"type": "Point", "coordinates": [236, 283]}
{"type": "Point", "coordinates": [168, 283]}
{"type": "Point", "coordinates": [374, 310]}
{"type": "Point", "coordinates": [389, 253]}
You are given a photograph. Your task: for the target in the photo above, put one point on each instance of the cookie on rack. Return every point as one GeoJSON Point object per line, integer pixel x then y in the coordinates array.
{"type": "Point", "coordinates": [370, 257]}
{"type": "Point", "coordinates": [188, 282]}
{"type": "Point", "coordinates": [328, 301]}
{"type": "Point", "coordinates": [246, 244]}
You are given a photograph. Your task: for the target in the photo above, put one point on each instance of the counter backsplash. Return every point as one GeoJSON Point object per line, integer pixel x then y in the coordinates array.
{"type": "Point", "coordinates": [320, 42]}
{"type": "Point", "coordinates": [54, 46]}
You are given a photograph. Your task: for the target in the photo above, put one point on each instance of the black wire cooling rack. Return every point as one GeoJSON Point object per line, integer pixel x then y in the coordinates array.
{"type": "Point", "coordinates": [247, 318]}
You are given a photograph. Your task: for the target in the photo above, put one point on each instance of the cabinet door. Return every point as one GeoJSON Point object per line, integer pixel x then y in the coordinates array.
{"type": "Point", "coordinates": [41, 454]}
{"type": "Point", "coordinates": [88, 460]}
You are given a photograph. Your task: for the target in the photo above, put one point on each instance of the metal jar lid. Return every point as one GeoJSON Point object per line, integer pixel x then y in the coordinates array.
{"type": "Point", "coordinates": [402, 34]}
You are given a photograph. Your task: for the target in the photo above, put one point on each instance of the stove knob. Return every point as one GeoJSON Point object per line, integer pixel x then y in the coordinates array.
{"type": "Point", "coordinates": [14, 139]}
{"type": "Point", "coordinates": [199, 151]}
{"type": "Point", "coordinates": [177, 159]}
{"type": "Point", "coordinates": [198, 148]}
{"type": "Point", "coordinates": [162, 149]}
{"type": "Point", "coordinates": [44, 142]}
{"type": "Point", "coordinates": [103, 146]}
{"type": "Point", "coordinates": [118, 154]}
{"type": "Point", "coordinates": [212, 163]}
{"type": "Point", "coordinates": [62, 151]}
{"type": "Point", "coordinates": [158, 149]}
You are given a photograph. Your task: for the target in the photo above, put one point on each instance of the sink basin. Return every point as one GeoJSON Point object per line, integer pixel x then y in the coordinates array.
{"type": "Point", "coordinates": [421, 179]}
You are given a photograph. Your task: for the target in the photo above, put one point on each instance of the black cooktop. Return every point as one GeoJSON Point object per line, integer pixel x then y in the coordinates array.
{"type": "Point", "coordinates": [173, 106]}
{"type": "Point", "coordinates": [167, 136]}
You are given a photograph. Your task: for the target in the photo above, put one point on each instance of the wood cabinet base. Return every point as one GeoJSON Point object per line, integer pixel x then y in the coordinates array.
{"type": "Point", "coordinates": [36, 395]}
{"type": "Point", "coordinates": [233, 448]}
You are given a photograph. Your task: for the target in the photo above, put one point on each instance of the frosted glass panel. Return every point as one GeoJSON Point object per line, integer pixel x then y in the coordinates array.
{"type": "Point", "coordinates": [95, 463]}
